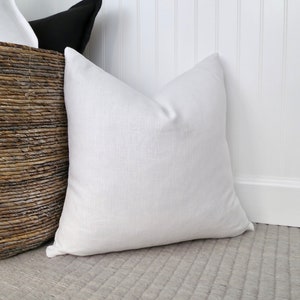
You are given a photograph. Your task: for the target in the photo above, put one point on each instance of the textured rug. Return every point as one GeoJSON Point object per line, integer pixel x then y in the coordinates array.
{"type": "Point", "coordinates": [264, 264]}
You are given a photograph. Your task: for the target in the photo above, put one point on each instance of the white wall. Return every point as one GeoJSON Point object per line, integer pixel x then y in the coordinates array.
{"type": "Point", "coordinates": [148, 42]}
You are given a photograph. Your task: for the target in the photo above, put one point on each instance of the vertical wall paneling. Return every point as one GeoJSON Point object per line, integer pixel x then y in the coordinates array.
{"type": "Point", "coordinates": [138, 35]}
{"type": "Point", "coordinates": [217, 24]}
{"type": "Point", "coordinates": [166, 42]}
{"type": "Point", "coordinates": [206, 28]}
{"type": "Point", "coordinates": [269, 116]}
{"type": "Point", "coordinates": [196, 31]}
{"type": "Point", "coordinates": [283, 90]}
{"type": "Point", "coordinates": [233, 130]}
{"type": "Point", "coordinates": [148, 42]}
{"type": "Point", "coordinates": [113, 37]}
{"type": "Point", "coordinates": [121, 29]}
{"type": "Point", "coordinates": [261, 48]}
{"type": "Point", "coordinates": [157, 46]}
{"type": "Point", "coordinates": [128, 52]}
{"type": "Point", "coordinates": [175, 37]}
{"type": "Point", "coordinates": [97, 43]}
{"type": "Point", "coordinates": [227, 48]}
{"type": "Point", "coordinates": [248, 105]}
{"type": "Point", "coordinates": [186, 36]}
{"type": "Point", "coordinates": [238, 40]}
{"type": "Point", "coordinates": [292, 111]}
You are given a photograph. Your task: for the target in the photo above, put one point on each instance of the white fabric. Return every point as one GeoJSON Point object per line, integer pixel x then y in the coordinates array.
{"type": "Point", "coordinates": [13, 26]}
{"type": "Point", "coordinates": [145, 172]}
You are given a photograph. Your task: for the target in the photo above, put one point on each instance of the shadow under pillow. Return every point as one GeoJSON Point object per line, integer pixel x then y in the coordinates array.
{"type": "Point", "coordinates": [70, 28]}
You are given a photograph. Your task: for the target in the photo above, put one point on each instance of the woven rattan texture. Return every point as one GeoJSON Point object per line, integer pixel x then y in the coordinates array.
{"type": "Point", "coordinates": [33, 146]}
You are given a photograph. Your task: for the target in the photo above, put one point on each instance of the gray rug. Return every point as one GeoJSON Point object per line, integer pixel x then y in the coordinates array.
{"type": "Point", "coordinates": [260, 265]}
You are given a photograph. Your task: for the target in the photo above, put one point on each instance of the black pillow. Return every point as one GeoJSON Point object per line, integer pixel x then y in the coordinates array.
{"type": "Point", "coordinates": [70, 28]}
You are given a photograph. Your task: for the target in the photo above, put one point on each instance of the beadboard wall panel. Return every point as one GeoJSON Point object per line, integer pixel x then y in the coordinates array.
{"type": "Point", "coordinates": [146, 43]}
{"type": "Point", "coordinates": [290, 126]}
{"type": "Point", "coordinates": [167, 41]}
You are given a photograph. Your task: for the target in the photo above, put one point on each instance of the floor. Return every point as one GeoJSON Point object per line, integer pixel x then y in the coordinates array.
{"type": "Point", "coordinates": [264, 264]}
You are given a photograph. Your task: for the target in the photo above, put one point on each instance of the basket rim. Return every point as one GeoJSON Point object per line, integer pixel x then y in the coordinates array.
{"type": "Point", "coordinates": [33, 49]}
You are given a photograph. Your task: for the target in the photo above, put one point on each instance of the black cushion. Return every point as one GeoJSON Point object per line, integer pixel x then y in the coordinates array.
{"type": "Point", "coordinates": [70, 28]}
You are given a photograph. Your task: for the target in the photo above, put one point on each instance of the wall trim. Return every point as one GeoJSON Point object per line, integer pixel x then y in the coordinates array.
{"type": "Point", "coordinates": [270, 200]}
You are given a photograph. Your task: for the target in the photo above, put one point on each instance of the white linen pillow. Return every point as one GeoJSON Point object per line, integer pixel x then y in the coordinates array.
{"type": "Point", "coordinates": [13, 26]}
{"type": "Point", "coordinates": [145, 172]}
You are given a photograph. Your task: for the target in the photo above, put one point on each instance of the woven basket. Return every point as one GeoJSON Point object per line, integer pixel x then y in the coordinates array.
{"type": "Point", "coordinates": [33, 146]}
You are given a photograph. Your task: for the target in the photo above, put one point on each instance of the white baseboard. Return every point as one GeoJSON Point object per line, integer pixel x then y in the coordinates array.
{"type": "Point", "coordinates": [270, 201]}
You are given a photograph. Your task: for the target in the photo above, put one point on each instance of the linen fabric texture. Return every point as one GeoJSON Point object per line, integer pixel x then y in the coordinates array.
{"type": "Point", "coordinates": [70, 28]}
{"type": "Point", "coordinates": [13, 26]}
{"type": "Point", "coordinates": [146, 172]}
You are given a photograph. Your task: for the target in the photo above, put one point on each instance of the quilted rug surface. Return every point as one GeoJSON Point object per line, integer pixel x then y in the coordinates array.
{"type": "Point", "coordinates": [264, 264]}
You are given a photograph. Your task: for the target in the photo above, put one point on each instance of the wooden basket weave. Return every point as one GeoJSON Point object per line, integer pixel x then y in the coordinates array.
{"type": "Point", "coordinates": [33, 146]}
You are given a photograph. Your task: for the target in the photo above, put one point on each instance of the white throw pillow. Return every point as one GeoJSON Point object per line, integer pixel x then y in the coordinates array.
{"type": "Point", "coordinates": [145, 172]}
{"type": "Point", "coordinates": [13, 26]}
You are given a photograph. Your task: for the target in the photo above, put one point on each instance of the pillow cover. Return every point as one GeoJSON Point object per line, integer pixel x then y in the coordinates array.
{"type": "Point", "coordinates": [145, 172]}
{"type": "Point", "coordinates": [70, 28]}
{"type": "Point", "coordinates": [13, 26]}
